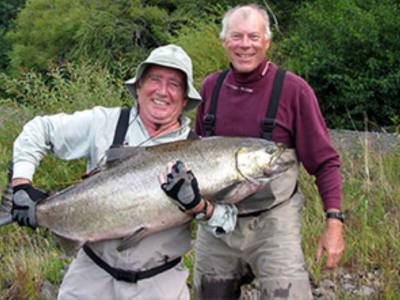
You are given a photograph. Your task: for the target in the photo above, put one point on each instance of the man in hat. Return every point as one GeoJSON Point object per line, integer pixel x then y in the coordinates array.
{"type": "Point", "coordinates": [163, 88]}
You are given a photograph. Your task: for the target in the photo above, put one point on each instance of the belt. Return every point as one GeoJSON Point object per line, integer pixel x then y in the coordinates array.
{"type": "Point", "coordinates": [128, 275]}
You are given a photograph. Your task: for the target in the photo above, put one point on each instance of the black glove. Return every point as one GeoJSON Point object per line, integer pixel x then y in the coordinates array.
{"type": "Point", "coordinates": [24, 201]}
{"type": "Point", "coordinates": [182, 187]}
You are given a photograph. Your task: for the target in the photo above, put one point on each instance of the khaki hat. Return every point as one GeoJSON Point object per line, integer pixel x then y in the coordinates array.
{"type": "Point", "coordinates": [170, 56]}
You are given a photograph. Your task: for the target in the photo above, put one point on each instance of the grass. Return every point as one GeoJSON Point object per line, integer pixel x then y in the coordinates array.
{"type": "Point", "coordinates": [371, 202]}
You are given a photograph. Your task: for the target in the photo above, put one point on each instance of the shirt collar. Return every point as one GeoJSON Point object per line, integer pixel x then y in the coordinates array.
{"type": "Point", "coordinates": [253, 76]}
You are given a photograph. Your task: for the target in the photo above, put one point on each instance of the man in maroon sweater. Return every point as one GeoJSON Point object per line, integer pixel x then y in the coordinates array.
{"type": "Point", "coordinates": [266, 242]}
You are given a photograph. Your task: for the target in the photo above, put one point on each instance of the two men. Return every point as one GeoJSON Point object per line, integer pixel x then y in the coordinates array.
{"type": "Point", "coordinates": [255, 99]}
{"type": "Point", "coordinates": [266, 242]}
{"type": "Point", "coordinates": [163, 87]}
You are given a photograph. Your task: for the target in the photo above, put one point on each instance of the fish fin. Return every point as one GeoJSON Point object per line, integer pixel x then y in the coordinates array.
{"type": "Point", "coordinates": [237, 192]}
{"type": "Point", "coordinates": [133, 239]}
{"type": "Point", "coordinates": [70, 247]}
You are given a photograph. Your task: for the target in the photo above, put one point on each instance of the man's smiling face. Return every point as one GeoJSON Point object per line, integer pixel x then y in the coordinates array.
{"type": "Point", "coordinates": [245, 42]}
{"type": "Point", "coordinates": [161, 95]}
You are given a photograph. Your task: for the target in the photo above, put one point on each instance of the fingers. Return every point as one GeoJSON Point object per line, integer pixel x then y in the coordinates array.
{"type": "Point", "coordinates": [331, 263]}
{"type": "Point", "coordinates": [179, 167]}
{"type": "Point", "coordinates": [332, 257]}
{"type": "Point", "coordinates": [333, 260]}
{"type": "Point", "coordinates": [169, 167]}
{"type": "Point", "coordinates": [161, 179]}
{"type": "Point", "coordinates": [176, 167]}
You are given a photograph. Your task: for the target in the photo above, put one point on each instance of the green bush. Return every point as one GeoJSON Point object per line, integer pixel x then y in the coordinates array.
{"type": "Point", "coordinates": [66, 88]}
{"type": "Point", "coordinates": [44, 31]}
{"type": "Point", "coordinates": [348, 51]}
{"type": "Point", "coordinates": [204, 47]}
{"type": "Point", "coordinates": [114, 33]}
{"type": "Point", "coordinates": [8, 11]}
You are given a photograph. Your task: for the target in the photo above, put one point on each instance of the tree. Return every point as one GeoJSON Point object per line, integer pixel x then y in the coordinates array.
{"type": "Point", "coordinates": [348, 51]}
{"type": "Point", "coordinates": [8, 11]}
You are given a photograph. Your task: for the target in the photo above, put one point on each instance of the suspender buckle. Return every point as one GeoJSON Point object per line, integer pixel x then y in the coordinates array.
{"type": "Point", "coordinates": [209, 122]}
{"type": "Point", "coordinates": [267, 125]}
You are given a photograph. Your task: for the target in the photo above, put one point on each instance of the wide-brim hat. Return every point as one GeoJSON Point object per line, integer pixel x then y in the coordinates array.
{"type": "Point", "coordinates": [170, 56]}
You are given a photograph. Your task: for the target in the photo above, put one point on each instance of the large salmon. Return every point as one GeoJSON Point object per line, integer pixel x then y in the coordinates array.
{"type": "Point", "coordinates": [125, 199]}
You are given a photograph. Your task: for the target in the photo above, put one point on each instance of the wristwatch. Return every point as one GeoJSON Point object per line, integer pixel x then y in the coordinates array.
{"type": "Point", "coordinates": [200, 215]}
{"type": "Point", "coordinates": [336, 215]}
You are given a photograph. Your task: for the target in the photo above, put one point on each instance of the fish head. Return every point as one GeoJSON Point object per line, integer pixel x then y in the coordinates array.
{"type": "Point", "coordinates": [262, 161]}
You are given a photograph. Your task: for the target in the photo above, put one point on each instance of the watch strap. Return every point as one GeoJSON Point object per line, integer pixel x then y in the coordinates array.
{"type": "Point", "coordinates": [200, 215]}
{"type": "Point", "coordinates": [336, 215]}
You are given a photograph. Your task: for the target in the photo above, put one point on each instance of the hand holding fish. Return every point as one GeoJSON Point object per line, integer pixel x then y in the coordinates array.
{"type": "Point", "coordinates": [24, 201]}
{"type": "Point", "coordinates": [181, 185]}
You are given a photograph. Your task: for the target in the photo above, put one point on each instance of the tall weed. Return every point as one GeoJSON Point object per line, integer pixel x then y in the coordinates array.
{"type": "Point", "coordinates": [371, 202]}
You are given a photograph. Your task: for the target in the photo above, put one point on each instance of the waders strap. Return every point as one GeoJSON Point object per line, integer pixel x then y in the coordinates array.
{"type": "Point", "coordinates": [122, 127]}
{"type": "Point", "coordinates": [268, 123]}
{"type": "Point", "coordinates": [209, 119]}
{"type": "Point", "coordinates": [127, 275]}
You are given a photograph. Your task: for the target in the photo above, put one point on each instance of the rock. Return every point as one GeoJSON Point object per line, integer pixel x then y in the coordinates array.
{"type": "Point", "coordinates": [48, 291]}
{"type": "Point", "coordinates": [365, 291]}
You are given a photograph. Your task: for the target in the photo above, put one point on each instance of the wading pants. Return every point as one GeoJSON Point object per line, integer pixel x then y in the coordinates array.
{"type": "Point", "coordinates": [267, 246]}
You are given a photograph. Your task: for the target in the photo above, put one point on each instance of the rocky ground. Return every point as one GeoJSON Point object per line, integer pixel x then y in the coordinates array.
{"type": "Point", "coordinates": [352, 141]}
{"type": "Point", "coordinates": [340, 283]}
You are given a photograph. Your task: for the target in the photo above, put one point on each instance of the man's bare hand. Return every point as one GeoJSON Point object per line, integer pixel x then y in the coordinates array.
{"type": "Point", "coordinates": [331, 243]}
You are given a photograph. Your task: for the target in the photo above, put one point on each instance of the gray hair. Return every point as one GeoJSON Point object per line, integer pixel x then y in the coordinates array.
{"type": "Point", "coordinates": [245, 11]}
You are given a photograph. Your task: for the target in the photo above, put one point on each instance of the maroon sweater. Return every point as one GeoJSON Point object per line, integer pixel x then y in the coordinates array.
{"type": "Point", "coordinates": [242, 105]}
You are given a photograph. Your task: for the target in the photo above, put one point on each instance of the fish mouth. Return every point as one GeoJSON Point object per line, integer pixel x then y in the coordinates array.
{"type": "Point", "coordinates": [280, 167]}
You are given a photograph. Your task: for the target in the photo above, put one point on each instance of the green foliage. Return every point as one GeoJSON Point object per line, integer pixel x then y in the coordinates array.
{"type": "Point", "coordinates": [370, 200]}
{"type": "Point", "coordinates": [113, 33]}
{"type": "Point", "coordinates": [205, 59]}
{"type": "Point", "coordinates": [65, 88]}
{"type": "Point", "coordinates": [44, 31]}
{"type": "Point", "coordinates": [8, 11]}
{"type": "Point", "coordinates": [119, 33]}
{"type": "Point", "coordinates": [53, 266]}
{"type": "Point", "coordinates": [348, 51]}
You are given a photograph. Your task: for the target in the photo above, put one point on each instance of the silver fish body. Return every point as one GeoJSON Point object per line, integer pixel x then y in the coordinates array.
{"type": "Point", "coordinates": [125, 198]}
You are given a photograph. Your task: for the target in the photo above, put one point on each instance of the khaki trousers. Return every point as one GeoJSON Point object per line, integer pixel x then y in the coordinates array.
{"type": "Point", "coordinates": [87, 281]}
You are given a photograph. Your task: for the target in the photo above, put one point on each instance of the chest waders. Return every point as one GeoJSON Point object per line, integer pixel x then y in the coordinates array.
{"type": "Point", "coordinates": [121, 274]}
{"type": "Point", "coordinates": [267, 124]}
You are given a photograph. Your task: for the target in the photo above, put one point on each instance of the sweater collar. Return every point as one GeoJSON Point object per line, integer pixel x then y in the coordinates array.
{"type": "Point", "coordinates": [253, 76]}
